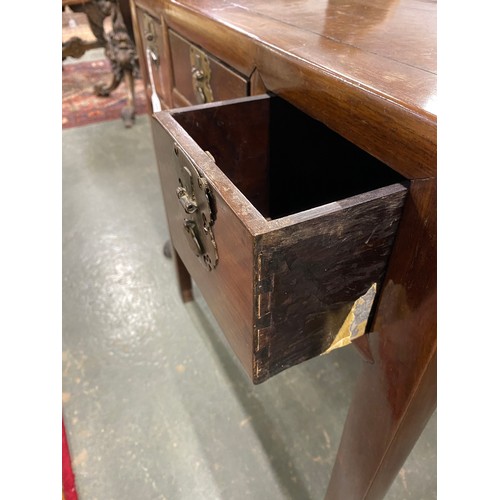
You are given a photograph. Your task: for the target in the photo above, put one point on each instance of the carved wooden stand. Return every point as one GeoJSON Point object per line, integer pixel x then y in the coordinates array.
{"type": "Point", "coordinates": [119, 49]}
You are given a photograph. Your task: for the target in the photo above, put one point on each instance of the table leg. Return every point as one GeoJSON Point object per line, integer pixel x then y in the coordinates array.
{"type": "Point", "coordinates": [183, 278]}
{"type": "Point", "coordinates": [121, 52]}
{"type": "Point", "coordinates": [167, 249]}
{"type": "Point", "coordinates": [396, 393]}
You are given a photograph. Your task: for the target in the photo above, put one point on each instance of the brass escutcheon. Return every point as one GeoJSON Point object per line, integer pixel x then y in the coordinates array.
{"type": "Point", "coordinates": [199, 212]}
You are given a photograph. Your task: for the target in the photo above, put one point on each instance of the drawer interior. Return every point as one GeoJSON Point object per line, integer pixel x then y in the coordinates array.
{"type": "Point", "coordinates": [282, 160]}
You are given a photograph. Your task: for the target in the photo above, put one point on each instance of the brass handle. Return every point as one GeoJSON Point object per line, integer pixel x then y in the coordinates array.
{"type": "Point", "coordinates": [154, 55]}
{"type": "Point", "coordinates": [150, 36]}
{"type": "Point", "coordinates": [200, 95]}
{"type": "Point", "coordinates": [188, 204]}
{"type": "Point", "coordinates": [200, 76]}
{"type": "Point", "coordinates": [198, 81]}
{"type": "Point", "coordinates": [198, 204]}
{"type": "Point", "coordinates": [193, 239]}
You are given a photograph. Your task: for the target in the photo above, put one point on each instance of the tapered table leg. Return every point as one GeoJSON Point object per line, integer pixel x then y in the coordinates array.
{"type": "Point", "coordinates": [167, 249]}
{"type": "Point", "coordinates": [183, 278]}
{"type": "Point", "coordinates": [396, 393]}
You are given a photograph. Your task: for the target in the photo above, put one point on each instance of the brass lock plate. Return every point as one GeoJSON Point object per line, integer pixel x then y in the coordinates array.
{"type": "Point", "coordinates": [198, 204]}
{"type": "Point", "coordinates": [200, 75]}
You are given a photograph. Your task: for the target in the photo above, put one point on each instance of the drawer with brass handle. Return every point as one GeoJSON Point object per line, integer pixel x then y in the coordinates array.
{"type": "Point", "coordinates": [152, 35]}
{"type": "Point", "coordinates": [200, 77]}
{"type": "Point", "coordinates": [285, 226]}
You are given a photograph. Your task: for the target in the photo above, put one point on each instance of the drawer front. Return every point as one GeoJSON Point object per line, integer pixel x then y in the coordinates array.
{"type": "Point", "coordinates": [288, 249]}
{"type": "Point", "coordinates": [155, 54]}
{"type": "Point", "coordinates": [201, 78]}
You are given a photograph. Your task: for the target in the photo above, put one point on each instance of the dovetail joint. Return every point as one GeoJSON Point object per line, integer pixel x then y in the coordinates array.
{"type": "Point", "coordinates": [263, 300]}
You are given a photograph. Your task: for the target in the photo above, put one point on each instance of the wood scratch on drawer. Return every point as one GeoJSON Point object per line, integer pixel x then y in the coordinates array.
{"type": "Point", "coordinates": [262, 353]}
{"type": "Point", "coordinates": [259, 268]}
{"type": "Point", "coordinates": [263, 305]}
{"type": "Point", "coordinates": [265, 286]}
{"type": "Point", "coordinates": [262, 338]}
{"type": "Point", "coordinates": [264, 321]}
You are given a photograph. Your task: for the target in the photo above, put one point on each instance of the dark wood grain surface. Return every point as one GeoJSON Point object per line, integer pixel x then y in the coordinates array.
{"type": "Point", "coordinates": [316, 269]}
{"type": "Point", "coordinates": [224, 82]}
{"type": "Point", "coordinates": [228, 288]}
{"type": "Point", "coordinates": [238, 139]}
{"type": "Point", "coordinates": [396, 394]}
{"type": "Point", "coordinates": [315, 252]}
{"type": "Point", "coordinates": [366, 69]}
{"type": "Point", "coordinates": [150, 34]}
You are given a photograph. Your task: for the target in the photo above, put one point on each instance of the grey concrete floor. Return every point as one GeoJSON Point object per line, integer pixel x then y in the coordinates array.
{"type": "Point", "coordinates": [155, 404]}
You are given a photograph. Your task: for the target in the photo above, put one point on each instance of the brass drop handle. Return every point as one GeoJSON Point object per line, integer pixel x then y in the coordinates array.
{"type": "Point", "coordinates": [193, 239]}
{"type": "Point", "coordinates": [154, 55]}
{"type": "Point", "coordinates": [150, 36]}
{"type": "Point", "coordinates": [198, 81]}
{"type": "Point", "coordinates": [188, 203]}
{"type": "Point", "coordinates": [200, 76]}
{"type": "Point", "coordinates": [201, 97]}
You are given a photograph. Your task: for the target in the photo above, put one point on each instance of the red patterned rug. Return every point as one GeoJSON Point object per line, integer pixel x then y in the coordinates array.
{"type": "Point", "coordinates": [80, 105]}
{"type": "Point", "coordinates": [68, 478]}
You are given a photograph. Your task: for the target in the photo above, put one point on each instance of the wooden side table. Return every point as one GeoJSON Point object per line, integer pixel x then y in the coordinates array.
{"type": "Point", "coordinates": [369, 73]}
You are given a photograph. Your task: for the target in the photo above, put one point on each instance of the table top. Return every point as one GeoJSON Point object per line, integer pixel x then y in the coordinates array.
{"type": "Point", "coordinates": [365, 68]}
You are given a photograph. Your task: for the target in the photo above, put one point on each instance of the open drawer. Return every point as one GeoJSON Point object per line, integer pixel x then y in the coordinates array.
{"type": "Point", "coordinates": [285, 226]}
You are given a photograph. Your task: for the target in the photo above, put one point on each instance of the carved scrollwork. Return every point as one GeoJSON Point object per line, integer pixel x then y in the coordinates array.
{"type": "Point", "coordinates": [119, 49]}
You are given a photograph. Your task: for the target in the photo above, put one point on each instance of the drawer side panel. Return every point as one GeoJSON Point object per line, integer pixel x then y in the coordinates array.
{"type": "Point", "coordinates": [228, 288]}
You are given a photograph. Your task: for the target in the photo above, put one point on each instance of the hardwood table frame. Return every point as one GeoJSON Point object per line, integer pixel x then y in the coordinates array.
{"type": "Point", "coordinates": [378, 91]}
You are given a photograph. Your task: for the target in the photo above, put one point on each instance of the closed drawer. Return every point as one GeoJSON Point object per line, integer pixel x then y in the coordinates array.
{"type": "Point", "coordinates": [155, 54]}
{"type": "Point", "coordinates": [199, 77]}
{"type": "Point", "coordinates": [285, 227]}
